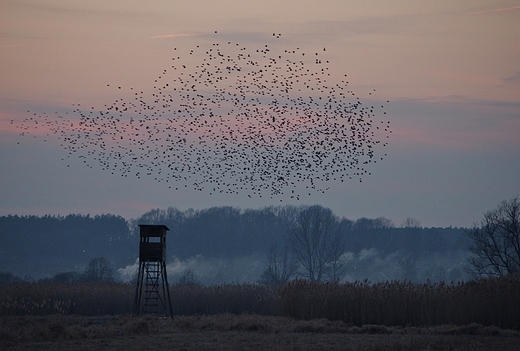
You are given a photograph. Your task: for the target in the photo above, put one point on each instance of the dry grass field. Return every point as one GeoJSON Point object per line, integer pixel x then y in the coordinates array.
{"type": "Point", "coordinates": [238, 332]}
{"type": "Point", "coordinates": [476, 315]}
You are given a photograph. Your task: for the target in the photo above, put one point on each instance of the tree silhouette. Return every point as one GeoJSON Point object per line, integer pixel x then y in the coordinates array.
{"type": "Point", "coordinates": [67, 277]}
{"type": "Point", "coordinates": [315, 241]}
{"type": "Point", "coordinates": [9, 278]}
{"type": "Point", "coordinates": [409, 267]}
{"type": "Point", "coordinates": [189, 278]}
{"type": "Point", "coordinates": [280, 267]}
{"type": "Point", "coordinates": [99, 270]}
{"type": "Point", "coordinates": [496, 242]}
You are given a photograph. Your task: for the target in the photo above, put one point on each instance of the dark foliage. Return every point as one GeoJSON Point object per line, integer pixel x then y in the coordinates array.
{"type": "Point", "coordinates": [51, 244]}
{"type": "Point", "coordinates": [99, 270]}
{"type": "Point", "coordinates": [48, 245]}
{"type": "Point", "coordinates": [496, 242]}
{"type": "Point", "coordinates": [9, 278]}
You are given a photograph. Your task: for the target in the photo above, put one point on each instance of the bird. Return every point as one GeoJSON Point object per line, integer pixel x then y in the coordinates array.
{"type": "Point", "coordinates": [226, 118]}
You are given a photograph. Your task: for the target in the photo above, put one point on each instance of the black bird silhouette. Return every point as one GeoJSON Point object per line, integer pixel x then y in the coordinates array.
{"type": "Point", "coordinates": [230, 119]}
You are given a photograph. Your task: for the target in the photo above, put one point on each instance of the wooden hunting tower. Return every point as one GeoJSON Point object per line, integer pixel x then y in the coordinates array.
{"type": "Point", "coordinates": [152, 293]}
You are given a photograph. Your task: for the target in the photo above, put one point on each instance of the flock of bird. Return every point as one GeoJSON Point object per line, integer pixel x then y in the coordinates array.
{"type": "Point", "coordinates": [230, 119]}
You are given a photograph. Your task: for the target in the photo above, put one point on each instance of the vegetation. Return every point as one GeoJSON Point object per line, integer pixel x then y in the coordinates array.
{"type": "Point", "coordinates": [99, 270]}
{"type": "Point", "coordinates": [189, 278]}
{"type": "Point", "coordinates": [280, 268]}
{"type": "Point", "coordinates": [239, 332]}
{"type": "Point", "coordinates": [78, 306]}
{"type": "Point", "coordinates": [9, 278]}
{"type": "Point", "coordinates": [42, 247]}
{"type": "Point", "coordinates": [316, 242]}
{"type": "Point", "coordinates": [496, 242]}
{"type": "Point", "coordinates": [489, 302]}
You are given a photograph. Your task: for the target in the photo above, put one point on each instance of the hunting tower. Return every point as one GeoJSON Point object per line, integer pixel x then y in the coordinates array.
{"type": "Point", "coordinates": [152, 293]}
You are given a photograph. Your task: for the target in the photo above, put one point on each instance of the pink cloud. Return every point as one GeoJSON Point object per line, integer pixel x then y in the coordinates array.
{"type": "Point", "coordinates": [462, 139]}
{"type": "Point", "coordinates": [169, 36]}
{"type": "Point", "coordinates": [24, 125]}
{"type": "Point", "coordinates": [8, 126]}
{"type": "Point", "coordinates": [500, 9]}
{"type": "Point", "coordinates": [10, 45]}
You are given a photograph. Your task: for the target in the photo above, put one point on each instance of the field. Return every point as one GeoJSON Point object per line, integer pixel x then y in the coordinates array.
{"type": "Point", "coordinates": [477, 315]}
{"type": "Point", "coordinates": [243, 332]}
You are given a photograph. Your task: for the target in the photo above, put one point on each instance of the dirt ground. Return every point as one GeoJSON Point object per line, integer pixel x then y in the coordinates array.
{"type": "Point", "coordinates": [230, 332]}
{"type": "Point", "coordinates": [257, 341]}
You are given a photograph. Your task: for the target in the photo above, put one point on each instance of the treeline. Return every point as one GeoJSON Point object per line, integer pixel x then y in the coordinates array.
{"type": "Point", "coordinates": [44, 246]}
{"type": "Point", "coordinates": [38, 246]}
{"type": "Point", "coordinates": [231, 231]}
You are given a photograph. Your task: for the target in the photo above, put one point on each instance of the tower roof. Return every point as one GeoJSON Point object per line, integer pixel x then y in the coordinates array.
{"type": "Point", "coordinates": [153, 226]}
{"type": "Point", "coordinates": [153, 230]}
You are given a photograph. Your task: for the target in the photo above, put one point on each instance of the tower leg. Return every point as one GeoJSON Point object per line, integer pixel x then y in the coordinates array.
{"type": "Point", "coordinates": [138, 290]}
{"type": "Point", "coordinates": [156, 299]}
{"type": "Point", "coordinates": [166, 291]}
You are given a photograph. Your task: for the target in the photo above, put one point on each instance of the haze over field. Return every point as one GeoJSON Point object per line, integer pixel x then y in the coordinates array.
{"type": "Point", "coordinates": [449, 71]}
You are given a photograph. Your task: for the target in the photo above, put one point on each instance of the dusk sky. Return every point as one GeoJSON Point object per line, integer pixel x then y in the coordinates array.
{"type": "Point", "coordinates": [450, 71]}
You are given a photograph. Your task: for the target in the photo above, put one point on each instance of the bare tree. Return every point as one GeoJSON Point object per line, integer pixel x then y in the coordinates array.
{"type": "Point", "coordinates": [315, 241]}
{"type": "Point", "coordinates": [409, 267]}
{"type": "Point", "coordinates": [411, 223]}
{"type": "Point", "coordinates": [280, 267]}
{"type": "Point", "coordinates": [99, 270]}
{"type": "Point", "coordinates": [189, 278]}
{"type": "Point", "coordinates": [337, 268]}
{"type": "Point", "coordinates": [67, 277]}
{"type": "Point", "coordinates": [496, 242]}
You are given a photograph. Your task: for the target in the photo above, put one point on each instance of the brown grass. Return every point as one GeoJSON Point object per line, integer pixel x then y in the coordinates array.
{"type": "Point", "coordinates": [487, 302]}
{"type": "Point", "coordinates": [238, 332]}
{"type": "Point", "coordinates": [490, 302]}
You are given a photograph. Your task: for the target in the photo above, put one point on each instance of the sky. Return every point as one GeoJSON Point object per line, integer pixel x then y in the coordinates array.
{"type": "Point", "coordinates": [450, 71]}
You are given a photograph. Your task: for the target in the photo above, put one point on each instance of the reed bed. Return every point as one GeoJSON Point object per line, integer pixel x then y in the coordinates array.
{"type": "Point", "coordinates": [218, 299]}
{"type": "Point", "coordinates": [87, 299]}
{"type": "Point", "coordinates": [488, 302]}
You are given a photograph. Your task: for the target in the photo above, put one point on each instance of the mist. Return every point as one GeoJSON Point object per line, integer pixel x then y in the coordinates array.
{"type": "Point", "coordinates": [226, 245]}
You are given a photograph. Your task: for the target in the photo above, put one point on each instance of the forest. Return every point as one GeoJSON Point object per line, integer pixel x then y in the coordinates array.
{"type": "Point", "coordinates": [226, 245]}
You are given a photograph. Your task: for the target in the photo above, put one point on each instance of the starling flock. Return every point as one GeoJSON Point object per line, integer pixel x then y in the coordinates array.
{"type": "Point", "coordinates": [230, 119]}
